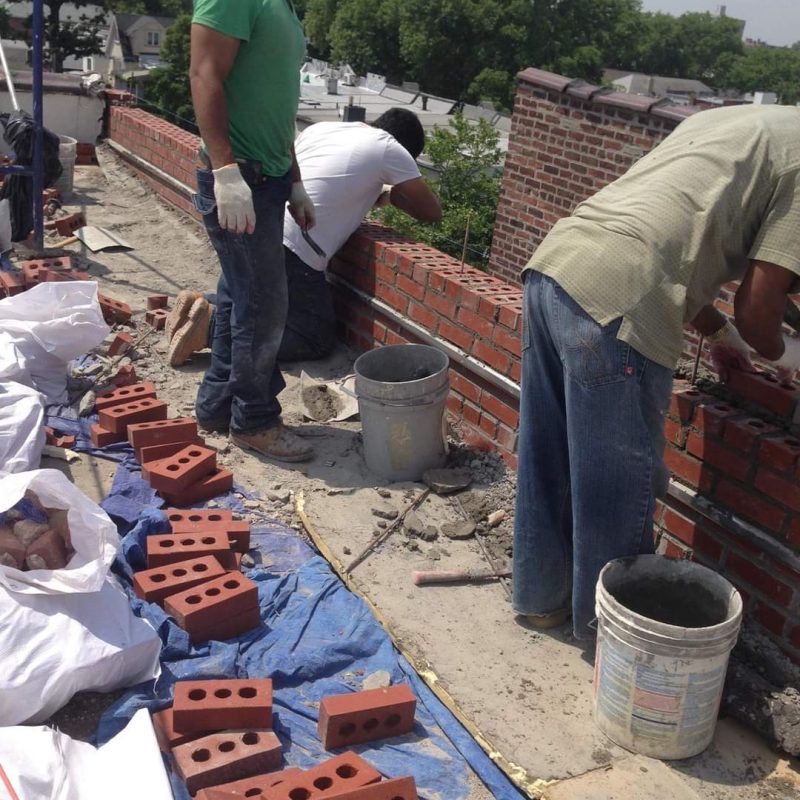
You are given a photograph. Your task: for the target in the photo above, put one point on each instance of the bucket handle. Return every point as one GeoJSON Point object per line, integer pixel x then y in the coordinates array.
{"type": "Point", "coordinates": [444, 391]}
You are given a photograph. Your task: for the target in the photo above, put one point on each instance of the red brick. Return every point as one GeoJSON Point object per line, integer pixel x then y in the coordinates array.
{"type": "Point", "coordinates": [122, 341]}
{"type": "Point", "coordinates": [465, 387]}
{"type": "Point", "coordinates": [258, 786]}
{"type": "Point", "coordinates": [357, 717]}
{"type": "Point", "coordinates": [11, 547]}
{"type": "Point", "coordinates": [423, 316]}
{"type": "Point", "coordinates": [440, 304]}
{"type": "Point", "coordinates": [684, 402]}
{"type": "Point", "coordinates": [671, 549]}
{"type": "Point", "coordinates": [342, 773]}
{"type": "Point", "coordinates": [114, 310]}
{"type": "Point", "coordinates": [221, 704]}
{"type": "Point", "coordinates": [155, 301]}
{"type": "Point", "coordinates": [503, 412]}
{"type": "Point", "coordinates": [781, 453]}
{"type": "Point", "coordinates": [474, 322]}
{"type": "Point", "coordinates": [708, 547]}
{"type": "Point", "coordinates": [127, 394]}
{"type": "Point", "coordinates": [216, 483]}
{"type": "Point", "coordinates": [47, 275]}
{"type": "Point", "coordinates": [488, 425]}
{"type": "Point", "coordinates": [158, 452]}
{"type": "Point", "coordinates": [46, 552]}
{"type": "Point", "coordinates": [751, 507]}
{"type": "Point", "coordinates": [410, 287]}
{"type": "Point", "coordinates": [154, 585]}
{"type": "Point", "coordinates": [491, 356]}
{"type": "Point", "coordinates": [126, 376]}
{"type": "Point", "coordinates": [213, 602]}
{"type": "Point", "coordinates": [392, 789]}
{"type": "Point", "coordinates": [765, 390]}
{"type": "Point", "coordinates": [675, 433]}
{"type": "Point", "coordinates": [167, 431]}
{"type": "Point", "coordinates": [511, 342]}
{"type": "Point", "coordinates": [157, 319]}
{"type": "Point", "coordinates": [166, 734]}
{"type": "Point", "coordinates": [224, 757]}
{"type": "Point", "coordinates": [777, 488]}
{"type": "Point", "coordinates": [237, 531]}
{"type": "Point", "coordinates": [243, 622]}
{"type": "Point", "coordinates": [759, 579]}
{"type": "Point", "coordinates": [688, 469]}
{"type": "Point", "coordinates": [511, 317]}
{"type": "Point", "coordinates": [178, 472]}
{"type": "Point", "coordinates": [744, 433]}
{"type": "Point", "coordinates": [100, 437]}
{"type": "Point", "coordinates": [719, 456]}
{"type": "Point", "coordinates": [710, 417]}
{"type": "Point", "coordinates": [11, 282]}
{"type": "Point", "coordinates": [771, 619]}
{"type": "Point", "coordinates": [166, 549]}
{"type": "Point", "coordinates": [178, 517]}
{"type": "Point", "coordinates": [457, 336]}
{"type": "Point", "coordinates": [117, 418]}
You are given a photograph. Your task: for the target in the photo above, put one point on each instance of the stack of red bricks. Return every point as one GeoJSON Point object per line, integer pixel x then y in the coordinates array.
{"type": "Point", "coordinates": [173, 457]}
{"type": "Point", "coordinates": [193, 573]}
{"type": "Point", "coordinates": [745, 467]}
{"type": "Point", "coordinates": [219, 733]}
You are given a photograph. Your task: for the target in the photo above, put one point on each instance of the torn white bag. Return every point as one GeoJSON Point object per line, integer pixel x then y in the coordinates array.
{"type": "Point", "coordinates": [50, 324]}
{"type": "Point", "coordinates": [53, 646]}
{"type": "Point", "coordinates": [43, 764]}
{"type": "Point", "coordinates": [94, 536]}
{"type": "Point", "coordinates": [22, 435]}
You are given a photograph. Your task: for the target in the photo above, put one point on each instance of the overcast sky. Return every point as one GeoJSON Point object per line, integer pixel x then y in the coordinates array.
{"type": "Point", "coordinates": [774, 21]}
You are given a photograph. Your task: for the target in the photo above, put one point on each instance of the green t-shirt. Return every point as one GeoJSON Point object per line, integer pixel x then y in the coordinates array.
{"type": "Point", "coordinates": [263, 88]}
{"type": "Point", "coordinates": [656, 245]}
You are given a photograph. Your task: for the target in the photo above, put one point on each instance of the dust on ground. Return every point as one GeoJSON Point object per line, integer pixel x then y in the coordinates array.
{"type": "Point", "coordinates": [322, 404]}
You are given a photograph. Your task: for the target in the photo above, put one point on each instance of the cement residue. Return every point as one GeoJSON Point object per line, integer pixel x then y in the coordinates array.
{"type": "Point", "coordinates": [321, 403]}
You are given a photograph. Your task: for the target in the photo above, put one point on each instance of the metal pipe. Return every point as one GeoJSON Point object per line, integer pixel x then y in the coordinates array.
{"type": "Point", "coordinates": [38, 122]}
{"type": "Point", "coordinates": [9, 79]}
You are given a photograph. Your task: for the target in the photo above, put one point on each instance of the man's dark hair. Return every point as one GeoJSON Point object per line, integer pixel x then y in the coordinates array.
{"type": "Point", "coordinates": [405, 126]}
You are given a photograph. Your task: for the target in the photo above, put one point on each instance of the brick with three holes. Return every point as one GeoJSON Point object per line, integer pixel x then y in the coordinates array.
{"type": "Point", "coordinates": [166, 734]}
{"type": "Point", "coordinates": [117, 418]}
{"type": "Point", "coordinates": [165, 431]}
{"type": "Point", "coordinates": [147, 455]}
{"type": "Point", "coordinates": [238, 531]}
{"type": "Point", "coordinates": [154, 585]}
{"type": "Point", "coordinates": [221, 704]}
{"type": "Point", "coordinates": [257, 786]}
{"type": "Point", "coordinates": [214, 602]}
{"type": "Point", "coordinates": [164, 549]}
{"type": "Point", "coordinates": [215, 483]}
{"type": "Point", "coordinates": [178, 472]}
{"type": "Point", "coordinates": [393, 789]}
{"type": "Point", "coordinates": [126, 394]}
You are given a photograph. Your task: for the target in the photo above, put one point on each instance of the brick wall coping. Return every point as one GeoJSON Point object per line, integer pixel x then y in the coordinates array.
{"type": "Point", "coordinates": [606, 96]}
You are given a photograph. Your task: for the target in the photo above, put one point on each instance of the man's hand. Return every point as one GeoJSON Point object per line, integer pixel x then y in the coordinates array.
{"type": "Point", "coordinates": [729, 351]}
{"type": "Point", "coordinates": [300, 206]}
{"type": "Point", "coordinates": [234, 200]}
{"type": "Point", "coordinates": [789, 363]}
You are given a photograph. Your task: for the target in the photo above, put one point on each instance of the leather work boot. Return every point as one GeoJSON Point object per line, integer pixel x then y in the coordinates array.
{"type": "Point", "coordinates": [278, 443]}
{"type": "Point", "coordinates": [180, 311]}
{"type": "Point", "coordinates": [192, 335]}
{"type": "Point", "coordinates": [544, 621]}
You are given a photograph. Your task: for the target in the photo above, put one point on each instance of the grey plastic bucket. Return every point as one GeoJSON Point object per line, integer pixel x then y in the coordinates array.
{"type": "Point", "coordinates": [67, 155]}
{"type": "Point", "coordinates": [402, 390]}
{"type": "Point", "coordinates": [665, 632]}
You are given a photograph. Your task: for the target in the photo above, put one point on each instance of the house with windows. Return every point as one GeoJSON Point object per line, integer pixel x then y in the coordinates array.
{"type": "Point", "coordinates": [133, 48]}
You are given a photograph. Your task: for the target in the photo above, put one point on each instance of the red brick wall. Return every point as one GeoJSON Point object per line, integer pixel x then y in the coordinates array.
{"type": "Point", "coordinates": [744, 467]}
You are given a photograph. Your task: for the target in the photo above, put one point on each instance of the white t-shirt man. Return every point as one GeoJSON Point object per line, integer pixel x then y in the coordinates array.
{"type": "Point", "coordinates": [344, 166]}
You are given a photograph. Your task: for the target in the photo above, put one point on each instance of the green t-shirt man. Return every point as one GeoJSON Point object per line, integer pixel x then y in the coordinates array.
{"type": "Point", "coordinates": [263, 88]}
{"type": "Point", "coordinates": [656, 245]}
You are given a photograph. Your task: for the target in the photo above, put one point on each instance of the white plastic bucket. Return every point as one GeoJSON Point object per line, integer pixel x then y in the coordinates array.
{"type": "Point", "coordinates": [665, 632]}
{"type": "Point", "coordinates": [402, 390]}
{"type": "Point", "coordinates": [67, 155]}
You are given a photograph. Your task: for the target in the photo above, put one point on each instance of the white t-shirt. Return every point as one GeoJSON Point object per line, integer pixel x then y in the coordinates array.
{"type": "Point", "coordinates": [344, 166]}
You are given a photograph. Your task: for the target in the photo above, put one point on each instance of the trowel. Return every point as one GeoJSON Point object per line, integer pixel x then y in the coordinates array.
{"type": "Point", "coordinates": [97, 239]}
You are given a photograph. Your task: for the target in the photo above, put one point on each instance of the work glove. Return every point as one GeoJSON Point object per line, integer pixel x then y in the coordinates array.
{"type": "Point", "coordinates": [234, 200]}
{"type": "Point", "coordinates": [729, 351]}
{"type": "Point", "coordinates": [789, 363]}
{"type": "Point", "coordinates": [300, 206]}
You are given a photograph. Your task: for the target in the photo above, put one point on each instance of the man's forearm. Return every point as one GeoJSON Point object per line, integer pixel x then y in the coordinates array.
{"type": "Point", "coordinates": [296, 176]}
{"type": "Point", "coordinates": [708, 321]}
{"type": "Point", "coordinates": [211, 110]}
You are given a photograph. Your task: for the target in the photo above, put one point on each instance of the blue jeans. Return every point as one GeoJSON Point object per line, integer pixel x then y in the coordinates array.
{"type": "Point", "coordinates": [590, 454]}
{"type": "Point", "coordinates": [242, 384]}
{"type": "Point", "coordinates": [310, 331]}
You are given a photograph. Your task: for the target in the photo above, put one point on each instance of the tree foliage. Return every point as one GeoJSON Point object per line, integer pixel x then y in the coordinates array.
{"type": "Point", "coordinates": [66, 38]}
{"type": "Point", "coordinates": [158, 8]}
{"type": "Point", "coordinates": [168, 87]}
{"type": "Point", "coordinates": [464, 159]}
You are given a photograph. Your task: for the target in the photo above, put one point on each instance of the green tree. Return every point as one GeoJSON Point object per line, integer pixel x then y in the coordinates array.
{"type": "Point", "coordinates": [464, 159]}
{"type": "Point", "coordinates": [168, 87]}
{"type": "Point", "coordinates": [318, 21]}
{"type": "Point", "coordinates": [767, 69]}
{"type": "Point", "coordinates": [65, 38]}
{"type": "Point", "coordinates": [158, 8]}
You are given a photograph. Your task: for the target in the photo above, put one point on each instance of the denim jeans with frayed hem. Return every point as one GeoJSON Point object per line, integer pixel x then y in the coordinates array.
{"type": "Point", "coordinates": [243, 381]}
{"type": "Point", "coordinates": [590, 454]}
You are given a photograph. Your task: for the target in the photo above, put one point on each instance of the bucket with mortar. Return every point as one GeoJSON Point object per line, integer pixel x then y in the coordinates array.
{"type": "Point", "coordinates": [402, 390]}
{"type": "Point", "coordinates": [665, 631]}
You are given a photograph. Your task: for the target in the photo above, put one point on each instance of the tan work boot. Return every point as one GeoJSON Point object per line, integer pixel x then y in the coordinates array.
{"type": "Point", "coordinates": [180, 311]}
{"type": "Point", "coordinates": [544, 621]}
{"type": "Point", "coordinates": [192, 335]}
{"type": "Point", "coordinates": [278, 443]}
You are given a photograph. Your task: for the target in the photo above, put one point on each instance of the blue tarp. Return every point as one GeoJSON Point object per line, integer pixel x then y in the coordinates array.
{"type": "Point", "coordinates": [316, 638]}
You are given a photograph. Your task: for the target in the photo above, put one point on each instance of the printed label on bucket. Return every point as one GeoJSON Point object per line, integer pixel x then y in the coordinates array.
{"type": "Point", "coordinates": [647, 705]}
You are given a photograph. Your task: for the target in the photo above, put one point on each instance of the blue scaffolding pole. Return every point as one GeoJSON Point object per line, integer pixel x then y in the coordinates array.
{"type": "Point", "coordinates": [36, 169]}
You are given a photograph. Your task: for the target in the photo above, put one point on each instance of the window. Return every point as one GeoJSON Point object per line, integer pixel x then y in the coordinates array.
{"type": "Point", "coordinates": [152, 38]}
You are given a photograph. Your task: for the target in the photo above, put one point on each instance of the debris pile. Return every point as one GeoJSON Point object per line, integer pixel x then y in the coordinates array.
{"type": "Point", "coordinates": [34, 537]}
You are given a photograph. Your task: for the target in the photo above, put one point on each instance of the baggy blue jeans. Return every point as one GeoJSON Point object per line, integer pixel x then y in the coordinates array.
{"type": "Point", "coordinates": [590, 454]}
{"type": "Point", "coordinates": [242, 384]}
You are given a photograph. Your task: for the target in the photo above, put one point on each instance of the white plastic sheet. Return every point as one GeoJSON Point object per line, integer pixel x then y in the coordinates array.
{"type": "Point", "coordinates": [94, 536]}
{"type": "Point", "coordinates": [50, 324]}
{"type": "Point", "coordinates": [53, 646]}
{"type": "Point", "coordinates": [43, 764]}
{"type": "Point", "coordinates": [22, 435]}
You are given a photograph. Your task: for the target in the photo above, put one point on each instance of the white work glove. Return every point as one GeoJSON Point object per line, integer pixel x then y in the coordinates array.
{"type": "Point", "coordinates": [234, 200]}
{"type": "Point", "coordinates": [788, 364]}
{"type": "Point", "coordinates": [300, 206]}
{"type": "Point", "coordinates": [729, 351]}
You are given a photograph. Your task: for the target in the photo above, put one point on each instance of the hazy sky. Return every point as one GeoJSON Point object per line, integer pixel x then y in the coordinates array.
{"type": "Point", "coordinates": [774, 21]}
